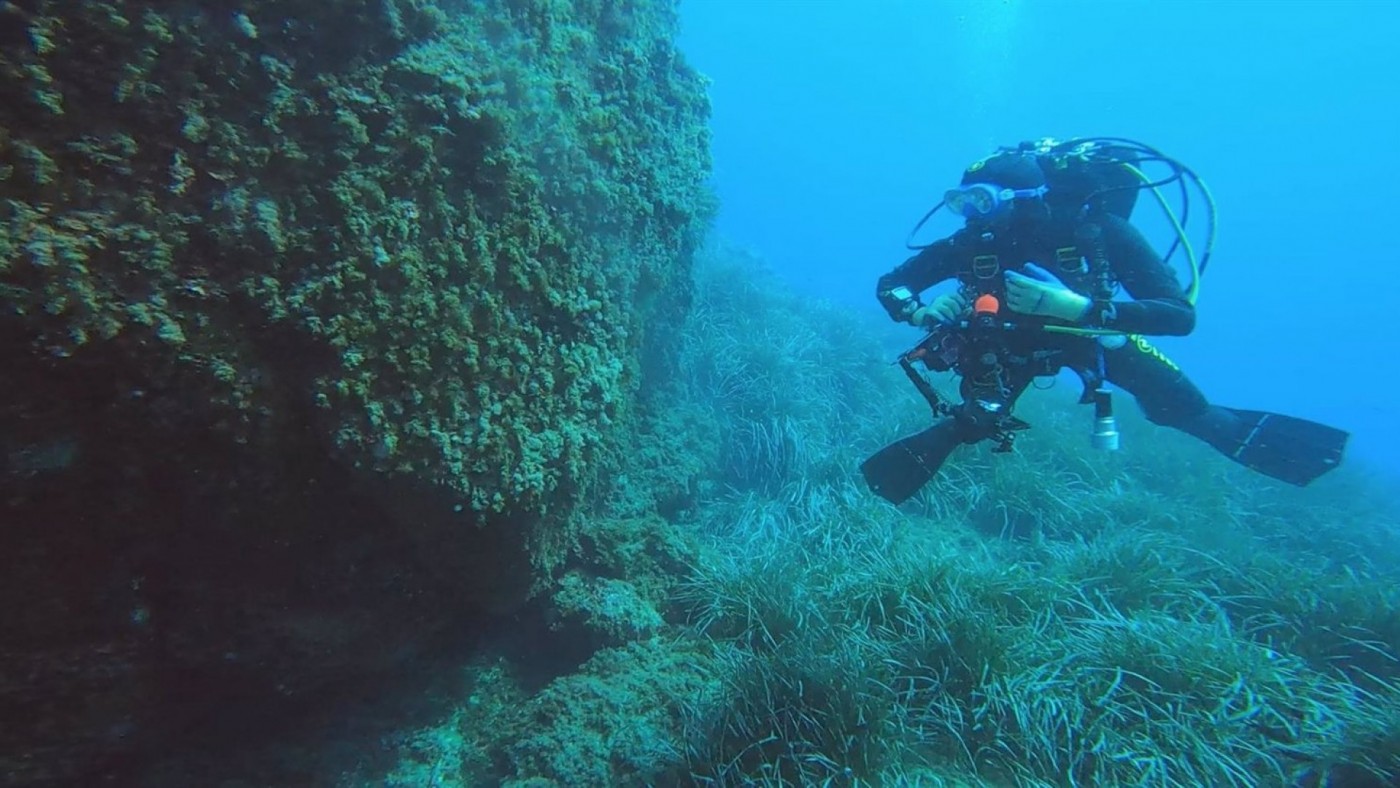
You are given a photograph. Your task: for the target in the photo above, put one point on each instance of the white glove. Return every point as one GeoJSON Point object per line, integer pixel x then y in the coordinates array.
{"type": "Point", "coordinates": [945, 309]}
{"type": "Point", "coordinates": [1044, 295]}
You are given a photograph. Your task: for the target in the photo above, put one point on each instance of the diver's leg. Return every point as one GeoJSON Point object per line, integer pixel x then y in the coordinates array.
{"type": "Point", "coordinates": [1290, 449]}
{"type": "Point", "coordinates": [1167, 396]}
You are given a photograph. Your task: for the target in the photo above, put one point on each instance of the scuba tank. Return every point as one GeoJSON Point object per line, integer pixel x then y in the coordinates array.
{"type": "Point", "coordinates": [1088, 179]}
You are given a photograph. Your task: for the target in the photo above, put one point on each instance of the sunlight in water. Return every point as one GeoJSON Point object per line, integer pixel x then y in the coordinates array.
{"type": "Point", "coordinates": [984, 58]}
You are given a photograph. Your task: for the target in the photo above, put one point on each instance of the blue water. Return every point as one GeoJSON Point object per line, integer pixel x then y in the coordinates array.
{"type": "Point", "coordinates": [838, 123]}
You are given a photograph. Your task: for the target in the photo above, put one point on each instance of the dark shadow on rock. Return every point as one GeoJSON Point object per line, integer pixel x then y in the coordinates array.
{"type": "Point", "coordinates": [176, 601]}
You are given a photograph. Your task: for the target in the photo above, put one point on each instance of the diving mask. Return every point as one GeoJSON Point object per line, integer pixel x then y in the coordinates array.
{"type": "Point", "coordinates": [984, 200]}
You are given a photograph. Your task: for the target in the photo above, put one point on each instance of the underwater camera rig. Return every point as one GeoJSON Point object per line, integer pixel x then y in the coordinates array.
{"type": "Point", "coordinates": [995, 371]}
{"type": "Point", "coordinates": [975, 350]}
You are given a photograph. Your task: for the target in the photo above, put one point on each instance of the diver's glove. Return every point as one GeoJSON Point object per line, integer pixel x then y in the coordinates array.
{"type": "Point", "coordinates": [945, 309]}
{"type": "Point", "coordinates": [1044, 295]}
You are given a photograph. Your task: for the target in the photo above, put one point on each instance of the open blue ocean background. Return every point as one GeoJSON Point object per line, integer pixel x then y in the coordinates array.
{"type": "Point", "coordinates": [838, 123]}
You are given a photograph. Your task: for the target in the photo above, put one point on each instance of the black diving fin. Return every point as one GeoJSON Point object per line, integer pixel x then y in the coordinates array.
{"type": "Point", "coordinates": [897, 471]}
{"type": "Point", "coordinates": [1286, 448]}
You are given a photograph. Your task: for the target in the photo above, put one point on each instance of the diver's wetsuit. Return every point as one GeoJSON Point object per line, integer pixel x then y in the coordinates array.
{"type": "Point", "coordinates": [978, 257]}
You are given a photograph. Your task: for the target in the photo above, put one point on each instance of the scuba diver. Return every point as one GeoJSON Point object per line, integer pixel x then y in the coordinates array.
{"type": "Point", "coordinates": [1051, 275]}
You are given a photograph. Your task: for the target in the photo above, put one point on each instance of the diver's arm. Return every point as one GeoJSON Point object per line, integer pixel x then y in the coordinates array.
{"type": "Point", "coordinates": [1159, 306]}
{"type": "Point", "coordinates": [898, 290]}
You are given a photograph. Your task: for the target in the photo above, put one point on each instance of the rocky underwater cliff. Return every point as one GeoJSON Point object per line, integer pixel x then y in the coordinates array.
{"type": "Point", "coordinates": [323, 325]}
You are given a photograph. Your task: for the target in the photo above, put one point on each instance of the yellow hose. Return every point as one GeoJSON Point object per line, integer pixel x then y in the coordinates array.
{"type": "Point", "coordinates": [1195, 288]}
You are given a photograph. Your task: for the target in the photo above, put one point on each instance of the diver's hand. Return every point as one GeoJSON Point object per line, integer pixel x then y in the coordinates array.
{"type": "Point", "coordinates": [1044, 295]}
{"type": "Point", "coordinates": [945, 309]}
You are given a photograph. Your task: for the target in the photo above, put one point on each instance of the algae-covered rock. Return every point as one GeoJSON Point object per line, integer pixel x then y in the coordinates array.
{"type": "Point", "coordinates": [470, 215]}
{"type": "Point", "coordinates": [618, 721]}
{"type": "Point", "coordinates": [318, 320]}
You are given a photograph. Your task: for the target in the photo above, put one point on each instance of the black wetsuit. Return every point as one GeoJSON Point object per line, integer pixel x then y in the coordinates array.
{"type": "Point", "coordinates": [1120, 260]}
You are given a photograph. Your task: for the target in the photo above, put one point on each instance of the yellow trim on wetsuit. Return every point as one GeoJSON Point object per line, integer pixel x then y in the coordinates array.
{"type": "Point", "coordinates": [1140, 342]}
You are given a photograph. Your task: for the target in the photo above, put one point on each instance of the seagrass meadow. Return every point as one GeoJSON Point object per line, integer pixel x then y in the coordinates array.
{"type": "Point", "coordinates": [375, 412]}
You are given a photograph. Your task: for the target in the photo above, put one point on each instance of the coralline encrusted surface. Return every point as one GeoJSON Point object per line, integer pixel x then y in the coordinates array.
{"type": "Point", "coordinates": [264, 266]}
